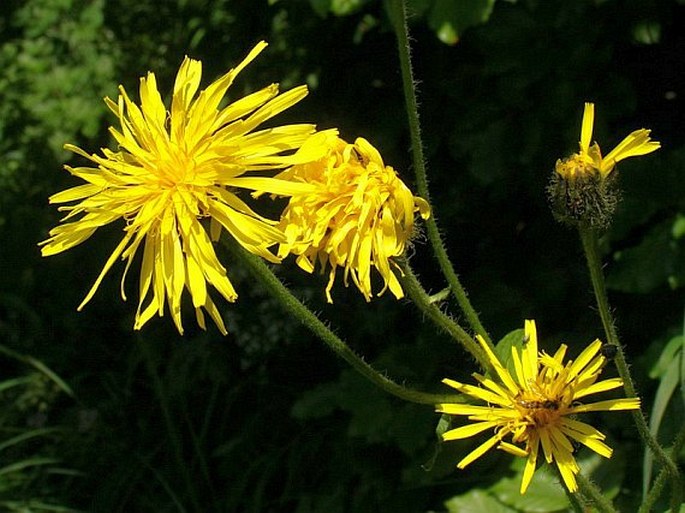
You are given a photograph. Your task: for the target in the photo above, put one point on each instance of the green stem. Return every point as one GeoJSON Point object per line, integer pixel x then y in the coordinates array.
{"type": "Point", "coordinates": [654, 493]}
{"type": "Point", "coordinates": [399, 15]}
{"type": "Point", "coordinates": [575, 499]}
{"type": "Point", "coordinates": [576, 505]}
{"type": "Point", "coordinates": [296, 308]}
{"type": "Point", "coordinates": [658, 484]}
{"type": "Point", "coordinates": [590, 490]}
{"type": "Point", "coordinates": [423, 301]}
{"type": "Point", "coordinates": [588, 238]}
{"type": "Point", "coordinates": [677, 495]}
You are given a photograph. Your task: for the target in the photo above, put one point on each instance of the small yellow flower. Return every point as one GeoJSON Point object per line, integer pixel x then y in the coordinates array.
{"type": "Point", "coordinates": [537, 406]}
{"type": "Point", "coordinates": [173, 168]}
{"type": "Point", "coordinates": [359, 216]}
{"type": "Point", "coordinates": [590, 161]}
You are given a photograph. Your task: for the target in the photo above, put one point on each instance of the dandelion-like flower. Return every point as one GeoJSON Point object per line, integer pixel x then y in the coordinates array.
{"type": "Point", "coordinates": [589, 160]}
{"type": "Point", "coordinates": [583, 189]}
{"type": "Point", "coordinates": [359, 216]}
{"type": "Point", "coordinates": [536, 406]}
{"type": "Point", "coordinates": [172, 169]}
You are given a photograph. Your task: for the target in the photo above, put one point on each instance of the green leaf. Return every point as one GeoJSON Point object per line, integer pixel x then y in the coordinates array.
{"type": "Point", "coordinates": [544, 495]}
{"type": "Point", "coordinates": [26, 436]}
{"type": "Point", "coordinates": [668, 354]}
{"type": "Point", "coordinates": [647, 32]}
{"type": "Point", "coordinates": [24, 464]}
{"type": "Point", "coordinates": [318, 402]}
{"type": "Point", "coordinates": [514, 338]}
{"type": "Point", "coordinates": [346, 7]}
{"type": "Point", "coordinates": [682, 509]}
{"type": "Point", "coordinates": [449, 18]}
{"type": "Point", "coordinates": [678, 229]}
{"type": "Point", "coordinates": [36, 507]}
{"type": "Point", "coordinates": [654, 262]}
{"type": "Point", "coordinates": [476, 501]}
{"type": "Point", "coordinates": [321, 7]}
{"type": "Point", "coordinates": [444, 425]}
{"type": "Point", "coordinates": [667, 386]}
{"type": "Point", "coordinates": [607, 474]}
{"type": "Point", "coordinates": [440, 296]}
{"type": "Point", "coordinates": [40, 366]}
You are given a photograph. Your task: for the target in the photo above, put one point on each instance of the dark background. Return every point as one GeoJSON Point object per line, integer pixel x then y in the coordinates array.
{"type": "Point", "coordinates": [267, 418]}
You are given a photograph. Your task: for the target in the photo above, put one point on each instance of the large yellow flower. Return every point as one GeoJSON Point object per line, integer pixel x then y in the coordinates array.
{"type": "Point", "coordinates": [537, 406]}
{"type": "Point", "coordinates": [173, 168]}
{"type": "Point", "coordinates": [359, 215]}
{"type": "Point", "coordinates": [589, 159]}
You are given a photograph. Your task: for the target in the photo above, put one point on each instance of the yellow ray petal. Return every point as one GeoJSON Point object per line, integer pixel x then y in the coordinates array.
{"type": "Point", "coordinates": [465, 409]}
{"type": "Point", "coordinates": [531, 463]}
{"type": "Point", "coordinates": [110, 261]}
{"type": "Point", "coordinates": [499, 369]}
{"type": "Point", "coordinates": [529, 355]}
{"type": "Point", "coordinates": [587, 125]}
{"type": "Point", "coordinates": [583, 359]}
{"type": "Point", "coordinates": [478, 452]}
{"type": "Point", "coordinates": [609, 405]}
{"type": "Point", "coordinates": [635, 144]}
{"type": "Point", "coordinates": [600, 386]}
{"type": "Point", "coordinates": [494, 387]}
{"type": "Point", "coordinates": [270, 185]}
{"type": "Point", "coordinates": [566, 467]}
{"type": "Point", "coordinates": [514, 450]}
{"type": "Point", "coordinates": [547, 446]}
{"type": "Point", "coordinates": [467, 431]}
{"type": "Point", "coordinates": [589, 437]}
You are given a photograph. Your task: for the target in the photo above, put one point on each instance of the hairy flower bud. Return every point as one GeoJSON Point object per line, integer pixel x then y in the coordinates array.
{"type": "Point", "coordinates": [579, 196]}
{"type": "Point", "coordinates": [583, 189]}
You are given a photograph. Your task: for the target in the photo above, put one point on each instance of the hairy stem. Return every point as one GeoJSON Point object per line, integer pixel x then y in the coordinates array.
{"type": "Point", "coordinates": [591, 491]}
{"type": "Point", "coordinates": [423, 301]}
{"type": "Point", "coordinates": [575, 499]}
{"type": "Point", "coordinates": [399, 15]}
{"type": "Point", "coordinates": [297, 309]}
{"type": "Point", "coordinates": [588, 238]}
{"type": "Point", "coordinates": [658, 484]}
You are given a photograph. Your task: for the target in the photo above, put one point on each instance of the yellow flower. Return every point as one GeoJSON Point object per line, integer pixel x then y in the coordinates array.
{"type": "Point", "coordinates": [537, 406]}
{"type": "Point", "coordinates": [172, 169]}
{"type": "Point", "coordinates": [590, 161]}
{"type": "Point", "coordinates": [359, 216]}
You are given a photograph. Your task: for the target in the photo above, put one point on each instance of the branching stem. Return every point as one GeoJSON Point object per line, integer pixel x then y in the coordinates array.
{"type": "Point", "coordinates": [297, 309]}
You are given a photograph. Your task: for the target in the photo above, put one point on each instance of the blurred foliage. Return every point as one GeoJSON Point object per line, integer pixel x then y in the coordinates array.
{"type": "Point", "coordinates": [32, 479]}
{"type": "Point", "coordinates": [266, 419]}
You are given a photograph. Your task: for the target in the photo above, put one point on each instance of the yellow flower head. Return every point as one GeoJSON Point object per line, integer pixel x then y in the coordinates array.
{"type": "Point", "coordinates": [359, 216]}
{"type": "Point", "coordinates": [589, 160]}
{"type": "Point", "coordinates": [537, 405]}
{"type": "Point", "coordinates": [173, 168]}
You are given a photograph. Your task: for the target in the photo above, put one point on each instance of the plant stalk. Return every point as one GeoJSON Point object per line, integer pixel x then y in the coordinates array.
{"type": "Point", "coordinates": [423, 301]}
{"type": "Point", "coordinates": [588, 237]}
{"type": "Point", "coordinates": [399, 16]}
{"type": "Point", "coordinates": [297, 309]}
{"type": "Point", "coordinates": [590, 490]}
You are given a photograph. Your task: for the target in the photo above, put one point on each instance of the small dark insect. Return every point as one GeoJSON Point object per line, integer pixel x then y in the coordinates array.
{"type": "Point", "coordinates": [608, 351]}
{"type": "Point", "coordinates": [547, 404]}
{"type": "Point", "coordinates": [360, 158]}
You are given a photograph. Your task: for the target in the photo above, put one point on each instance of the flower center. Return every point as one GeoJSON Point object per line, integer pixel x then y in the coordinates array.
{"type": "Point", "coordinates": [574, 167]}
{"type": "Point", "coordinates": [175, 167]}
{"type": "Point", "coordinates": [538, 407]}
